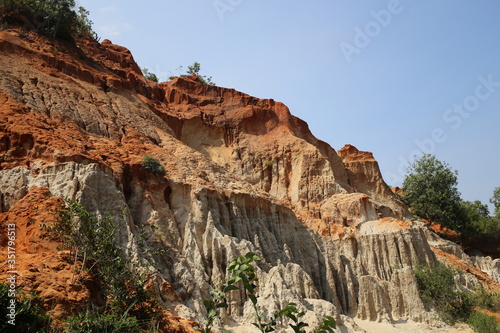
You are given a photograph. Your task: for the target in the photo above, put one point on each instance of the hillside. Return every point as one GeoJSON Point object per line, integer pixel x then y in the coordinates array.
{"type": "Point", "coordinates": [242, 174]}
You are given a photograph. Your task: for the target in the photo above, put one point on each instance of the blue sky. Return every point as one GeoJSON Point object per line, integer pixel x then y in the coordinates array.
{"type": "Point", "coordinates": [394, 77]}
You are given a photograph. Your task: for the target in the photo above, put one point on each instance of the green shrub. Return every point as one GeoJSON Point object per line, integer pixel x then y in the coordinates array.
{"type": "Point", "coordinates": [194, 69]}
{"type": "Point", "coordinates": [482, 323]}
{"type": "Point", "coordinates": [54, 18]}
{"type": "Point", "coordinates": [437, 289]}
{"type": "Point", "coordinates": [92, 241]}
{"type": "Point", "coordinates": [149, 76]}
{"type": "Point", "coordinates": [152, 165]}
{"type": "Point", "coordinates": [488, 301]}
{"type": "Point", "coordinates": [93, 321]}
{"type": "Point", "coordinates": [30, 316]}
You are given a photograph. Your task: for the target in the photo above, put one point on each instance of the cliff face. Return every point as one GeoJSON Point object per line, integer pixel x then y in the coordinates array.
{"type": "Point", "coordinates": [242, 174]}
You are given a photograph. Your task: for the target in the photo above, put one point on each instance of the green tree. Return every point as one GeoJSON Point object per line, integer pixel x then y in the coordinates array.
{"type": "Point", "coordinates": [478, 217]}
{"type": "Point", "coordinates": [430, 190]}
{"type": "Point", "coordinates": [54, 18]}
{"type": "Point", "coordinates": [495, 200]}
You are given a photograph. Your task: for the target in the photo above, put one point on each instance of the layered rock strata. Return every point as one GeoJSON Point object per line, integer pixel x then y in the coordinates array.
{"type": "Point", "coordinates": [241, 174]}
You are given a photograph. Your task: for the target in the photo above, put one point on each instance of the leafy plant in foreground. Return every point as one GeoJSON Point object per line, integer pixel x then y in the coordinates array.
{"type": "Point", "coordinates": [241, 271]}
{"type": "Point", "coordinates": [30, 316]}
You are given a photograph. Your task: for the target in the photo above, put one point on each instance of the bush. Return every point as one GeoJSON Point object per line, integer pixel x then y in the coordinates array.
{"type": "Point", "coordinates": [91, 240]}
{"type": "Point", "coordinates": [54, 18]}
{"type": "Point", "coordinates": [92, 321]}
{"type": "Point", "coordinates": [152, 165]}
{"type": "Point", "coordinates": [482, 323]}
{"type": "Point", "coordinates": [437, 289]}
{"type": "Point", "coordinates": [488, 301]}
{"type": "Point", "coordinates": [30, 316]}
{"type": "Point", "coordinates": [194, 69]}
{"type": "Point", "coordinates": [149, 76]}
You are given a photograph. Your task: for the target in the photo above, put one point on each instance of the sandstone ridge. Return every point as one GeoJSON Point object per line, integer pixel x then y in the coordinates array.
{"type": "Point", "coordinates": [242, 174]}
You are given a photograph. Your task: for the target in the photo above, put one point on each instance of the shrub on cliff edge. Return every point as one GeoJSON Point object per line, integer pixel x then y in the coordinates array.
{"type": "Point", "coordinates": [54, 18]}
{"type": "Point", "coordinates": [194, 69]}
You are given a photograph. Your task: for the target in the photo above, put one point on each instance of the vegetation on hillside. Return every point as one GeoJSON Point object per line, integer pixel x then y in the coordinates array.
{"type": "Point", "coordinates": [430, 191]}
{"type": "Point", "coordinates": [152, 165]}
{"type": "Point", "coordinates": [29, 316]}
{"type": "Point", "coordinates": [194, 69]}
{"type": "Point", "coordinates": [54, 18]}
{"type": "Point", "coordinates": [436, 284]}
{"type": "Point", "coordinates": [91, 241]}
{"type": "Point", "coordinates": [149, 75]}
{"type": "Point", "coordinates": [438, 290]}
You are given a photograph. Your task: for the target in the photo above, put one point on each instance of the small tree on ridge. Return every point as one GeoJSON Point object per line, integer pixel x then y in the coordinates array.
{"type": "Point", "coordinates": [430, 190]}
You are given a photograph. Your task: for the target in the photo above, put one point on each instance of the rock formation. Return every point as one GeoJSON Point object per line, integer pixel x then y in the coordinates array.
{"type": "Point", "coordinates": [242, 174]}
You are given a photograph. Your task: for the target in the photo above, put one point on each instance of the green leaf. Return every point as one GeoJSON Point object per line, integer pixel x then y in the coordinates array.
{"type": "Point", "coordinates": [212, 313]}
{"type": "Point", "coordinates": [222, 305]}
{"type": "Point", "coordinates": [230, 288]}
{"type": "Point", "coordinates": [253, 298]}
{"type": "Point", "coordinates": [252, 256]}
{"type": "Point", "coordinates": [327, 325]}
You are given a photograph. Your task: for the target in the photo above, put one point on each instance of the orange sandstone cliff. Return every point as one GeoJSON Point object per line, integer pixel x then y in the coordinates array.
{"type": "Point", "coordinates": [241, 174]}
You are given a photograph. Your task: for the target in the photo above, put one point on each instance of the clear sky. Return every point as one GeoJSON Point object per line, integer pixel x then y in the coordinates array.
{"type": "Point", "coordinates": [394, 77]}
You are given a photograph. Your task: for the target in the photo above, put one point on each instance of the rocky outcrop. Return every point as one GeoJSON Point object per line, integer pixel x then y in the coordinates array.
{"type": "Point", "coordinates": [364, 176]}
{"type": "Point", "coordinates": [202, 231]}
{"type": "Point", "coordinates": [241, 174]}
{"type": "Point", "coordinates": [488, 265]}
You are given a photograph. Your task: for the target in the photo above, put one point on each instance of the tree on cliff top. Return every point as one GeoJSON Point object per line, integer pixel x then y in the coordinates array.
{"type": "Point", "coordinates": [430, 190]}
{"type": "Point", "coordinates": [495, 200]}
{"type": "Point", "coordinates": [54, 18]}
